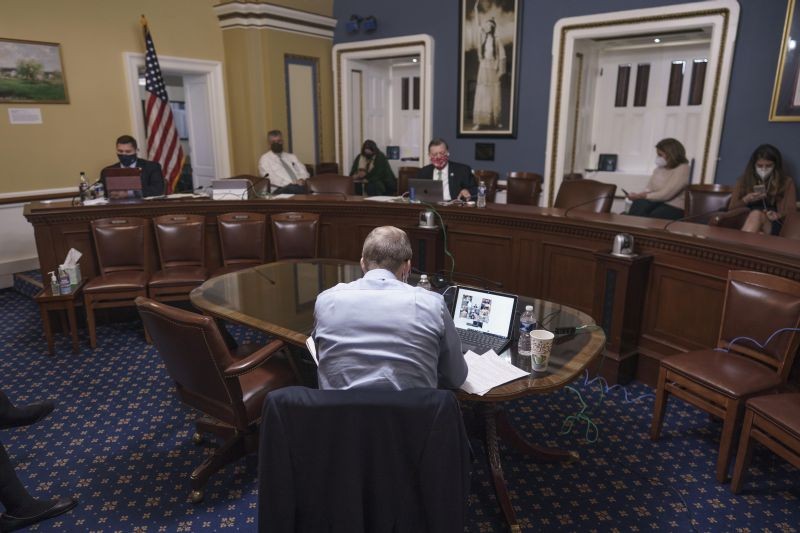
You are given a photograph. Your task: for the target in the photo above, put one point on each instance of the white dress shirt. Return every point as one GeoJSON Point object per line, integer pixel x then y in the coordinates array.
{"type": "Point", "coordinates": [378, 332]}
{"type": "Point", "coordinates": [445, 181]}
{"type": "Point", "coordinates": [270, 163]}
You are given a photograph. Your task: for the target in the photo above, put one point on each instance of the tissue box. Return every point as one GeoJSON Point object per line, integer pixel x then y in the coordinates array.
{"type": "Point", "coordinates": [74, 273]}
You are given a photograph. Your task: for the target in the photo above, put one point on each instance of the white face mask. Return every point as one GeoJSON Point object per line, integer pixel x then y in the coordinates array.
{"type": "Point", "coordinates": [764, 172]}
{"type": "Point", "coordinates": [661, 162]}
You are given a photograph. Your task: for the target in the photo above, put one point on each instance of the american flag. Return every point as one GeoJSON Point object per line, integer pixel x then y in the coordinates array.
{"type": "Point", "coordinates": [163, 142]}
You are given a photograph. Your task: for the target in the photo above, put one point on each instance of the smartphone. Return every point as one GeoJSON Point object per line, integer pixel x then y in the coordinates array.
{"type": "Point", "coordinates": [760, 189]}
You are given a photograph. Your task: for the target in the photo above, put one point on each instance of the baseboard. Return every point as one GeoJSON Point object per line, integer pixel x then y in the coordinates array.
{"type": "Point", "coordinates": [9, 268]}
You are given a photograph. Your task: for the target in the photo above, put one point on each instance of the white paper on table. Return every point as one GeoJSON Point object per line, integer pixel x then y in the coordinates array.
{"type": "Point", "coordinates": [395, 199]}
{"type": "Point", "coordinates": [281, 196]}
{"type": "Point", "coordinates": [488, 371]}
{"type": "Point", "coordinates": [312, 349]}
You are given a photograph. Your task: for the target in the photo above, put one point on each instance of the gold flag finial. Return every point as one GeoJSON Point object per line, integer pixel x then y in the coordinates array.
{"type": "Point", "coordinates": [143, 21]}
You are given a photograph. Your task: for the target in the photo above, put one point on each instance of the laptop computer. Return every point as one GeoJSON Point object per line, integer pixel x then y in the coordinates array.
{"type": "Point", "coordinates": [429, 191]}
{"type": "Point", "coordinates": [484, 319]}
{"type": "Point", "coordinates": [123, 184]}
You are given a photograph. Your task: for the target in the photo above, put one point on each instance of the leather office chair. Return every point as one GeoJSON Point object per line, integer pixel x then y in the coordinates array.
{"type": "Point", "coordinates": [702, 202]}
{"type": "Point", "coordinates": [774, 421]}
{"type": "Point", "coordinates": [585, 195]}
{"type": "Point", "coordinates": [791, 226]}
{"type": "Point", "coordinates": [403, 175]}
{"type": "Point", "coordinates": [121, 246]}
{"type": "Point", "coordinates": [524, 188]}
{"type": "Point", "coordinates": [295, 235]}
{"type": "Point", "coordinates": [328, 168]}
{"type": "Point", "coordinates": [242, 239]}
{"type": "Point", "coordinates": [259, 187]}
{"type": "Point", "coordinates": [181, 249]}
{"type": "Point", "coordinates": [331, 184]}
{"type": "Point", "coordinates": [310, 169]}
{"type": "Point", "coordinates": [719, 382]}
{"type": "Point", "coordinates": [573, 176]}
{"type": "Point", "coordinates": [228, 388]}
{"type": "Point", "coordinates": [489, 178]}
{"type": "Point", "coordinates": [362, 460]}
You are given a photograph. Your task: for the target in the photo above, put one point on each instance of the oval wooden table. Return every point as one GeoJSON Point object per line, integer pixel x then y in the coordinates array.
{"type": "Point", "coordinates": [278, 298]}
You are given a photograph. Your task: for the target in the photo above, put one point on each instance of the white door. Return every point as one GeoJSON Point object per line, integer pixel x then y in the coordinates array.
{"type": "Point", "coordinates": [406, 119]}
{"type": "Point", "coordinates": [356, 111]}
{"type": "Point", "coordinates": [198, 123]}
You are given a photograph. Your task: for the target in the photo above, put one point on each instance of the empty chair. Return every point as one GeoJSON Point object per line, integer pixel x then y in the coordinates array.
{"type": "Point", "coordinates": [331, 184]}
{"type": "Point", "coordinates": [121, 246]}
{"type": "Point", "coordinates": [524, 188]}
{"type": "Point", "coordinates": [181, 249]}
{"type": "Point", "coordinates": [489, 178]}
{"type": "Point", "coordinates": [362, 460]}
{"type": "Point", "coordinates": [327, 168]}
{"type": "Point", "coordinates": [295, 235]}
{"type": "Point", "coordinates": [403, 175]}
{"type": "Point", "coordinates": [702, 202]}
{"type": "Point", "coordinates": [719, 382]}
{"type": "Point", "coordinates": [242, 240]}
{"type": "Point", "coordinates": [774, 421]}
{"type": "Point", "coordinates": [228, 388]}
{"type": "Point", "coordinates": [585, 195]}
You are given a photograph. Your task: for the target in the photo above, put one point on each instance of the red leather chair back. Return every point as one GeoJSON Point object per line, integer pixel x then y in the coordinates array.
{"type": "Point", "coordinates": [330, 167]}
{"type": "Point", "coordinates": [181, 240]}
{"type": "Point", "coordinates": [195, 356]}
{"type": "Point", "coordinates": [403, 175]}
{"type": "Point", "coordinates": [242, 238]}
{"type": "Point", "coordinates": [295, 235]}
{"type": "Point", "coordinates": [585, 195]}
{"type": "Point", "coordinates": [331, 183]}
{"type": "Point", "coordinates": [757, 305]}
{"type": "Point", "coordinates": [524, 188]}
{"type": "Point", "coordinates": [489, 178]}
{"type": "Point", "coordinates": [702, 201]}
{"type": "Point", "coordinates": [791, 226]}
{"type": "Point", "coordinates": [120, 243]}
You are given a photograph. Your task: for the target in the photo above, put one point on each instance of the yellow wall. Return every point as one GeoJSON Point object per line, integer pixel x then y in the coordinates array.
{"type": "Point", "coordinates": [93, 35]}
{"type": "Point", "coordinates": [254, 69]}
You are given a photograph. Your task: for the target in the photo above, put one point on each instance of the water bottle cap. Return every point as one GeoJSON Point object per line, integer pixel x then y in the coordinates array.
{"type": "Point", "coordinates": [423, 276]}
{"type": "Point", "coordinates": [529, 308]}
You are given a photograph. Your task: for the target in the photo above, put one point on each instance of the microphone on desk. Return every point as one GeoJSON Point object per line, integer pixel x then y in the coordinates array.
{"type": "Point", "coordinates": [690, 217]}
{"type": "Point", "coordinates": [587, 202]}
{"type": "Point", "coordinates": [485, 281]}
{"type": "Point", "coordinates": [252, 187]}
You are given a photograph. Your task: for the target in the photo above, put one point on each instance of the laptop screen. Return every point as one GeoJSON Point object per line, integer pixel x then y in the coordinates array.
{"type": "Point", "coordinates": [486, 311]}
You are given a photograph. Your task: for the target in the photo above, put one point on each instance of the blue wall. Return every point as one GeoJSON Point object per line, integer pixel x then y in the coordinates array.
{"type": "Point", "coordinates": [753, 75]}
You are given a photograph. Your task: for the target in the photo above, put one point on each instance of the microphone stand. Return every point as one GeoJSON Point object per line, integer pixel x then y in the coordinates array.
{"type": "Point", "coordinates": [252, 187]}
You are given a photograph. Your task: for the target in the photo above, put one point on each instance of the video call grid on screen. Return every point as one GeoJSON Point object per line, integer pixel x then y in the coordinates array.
{"type": "Point", "coordinates": [481, 311]}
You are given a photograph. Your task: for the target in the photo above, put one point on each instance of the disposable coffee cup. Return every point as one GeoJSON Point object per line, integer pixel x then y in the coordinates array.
{"type": "Point", "coordinates": [541, 345]}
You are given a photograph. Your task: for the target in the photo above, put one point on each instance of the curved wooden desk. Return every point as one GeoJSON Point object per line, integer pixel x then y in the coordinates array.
{"type": "Point", "coordinates": [531, 251]}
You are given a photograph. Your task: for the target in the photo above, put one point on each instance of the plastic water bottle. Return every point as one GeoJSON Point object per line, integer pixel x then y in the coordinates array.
{"type": "Point", "coordinates": [423, 282]}
{"type": "Point", "coordinates": [527, 323]}
{"type": "Point", "coordinates": [482, 194]}
{"type": "Point", "coordinates": [83, 187]}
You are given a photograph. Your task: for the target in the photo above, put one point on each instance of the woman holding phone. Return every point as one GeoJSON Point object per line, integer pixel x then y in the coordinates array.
{"type": "Point", "coordinates": [766, 191]}
{"type": "Point", "coordinates": [663, 196]}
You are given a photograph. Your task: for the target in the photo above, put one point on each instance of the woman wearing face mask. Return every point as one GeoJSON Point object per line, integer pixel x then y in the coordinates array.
{"type": "Point", "coordinates": [373, 166]}
{"type": "Point", "coordinates": [766, 190]}
{"type": "Point", "coordinates": [663, 196]}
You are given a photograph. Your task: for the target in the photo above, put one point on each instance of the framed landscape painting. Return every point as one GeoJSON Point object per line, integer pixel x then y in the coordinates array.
{"type": "Point", "coordinates": [488, 67]}
{"type": "Point", "coordinates": [31, 73]}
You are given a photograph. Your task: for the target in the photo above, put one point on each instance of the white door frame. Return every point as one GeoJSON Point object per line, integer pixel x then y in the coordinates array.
{"type": "Point", "coordinates": [343, 54]}
{"type": "Point", "coordinates": [212, 70]}
{"type": "Point", "coordinates": [722, 16]}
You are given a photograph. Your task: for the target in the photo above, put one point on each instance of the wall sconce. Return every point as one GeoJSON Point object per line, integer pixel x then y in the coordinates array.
{"type": "Point", "coordinates": [369, 24]}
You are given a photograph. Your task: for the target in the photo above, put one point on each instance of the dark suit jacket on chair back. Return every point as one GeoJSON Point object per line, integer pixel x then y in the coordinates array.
{"type": "Point", "coordinates": [362, 460]}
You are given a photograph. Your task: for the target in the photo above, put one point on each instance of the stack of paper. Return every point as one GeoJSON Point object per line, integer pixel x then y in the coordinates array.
{"type": "Point", "coordinates": [488, 371]}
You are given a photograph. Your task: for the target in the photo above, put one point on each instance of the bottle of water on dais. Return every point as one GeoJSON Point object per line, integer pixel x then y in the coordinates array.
{"type": "Point", "coordinates": [424, 282]}
{"type": "Point", "coordinates": [482, 194]}
{"type": "Point", "coordinates": [527, 323]}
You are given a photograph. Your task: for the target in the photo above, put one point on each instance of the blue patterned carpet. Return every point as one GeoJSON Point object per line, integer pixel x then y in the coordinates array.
{"type": "Point", "coordinates": [121, 443]}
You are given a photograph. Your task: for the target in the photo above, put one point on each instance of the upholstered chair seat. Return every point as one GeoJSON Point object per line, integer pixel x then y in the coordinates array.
{"type": "Point", "coordinates": [728, 373]}
{"type": "Point", "coordinates": [188, 275]}
{"type": "Point", "coordinates": [117, 281]}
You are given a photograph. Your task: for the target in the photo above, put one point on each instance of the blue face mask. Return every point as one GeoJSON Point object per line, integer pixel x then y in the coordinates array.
{"type": "Point", "coordinates": [127, 160]}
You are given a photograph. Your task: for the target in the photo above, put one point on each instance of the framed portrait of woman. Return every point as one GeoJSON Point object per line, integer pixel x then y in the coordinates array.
{"type": "Point", "coordinates": [488, 67]}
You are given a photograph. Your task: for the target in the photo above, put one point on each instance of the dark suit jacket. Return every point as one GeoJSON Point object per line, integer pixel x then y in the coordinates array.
{"type": "Point", "coordinates": [362, 460]}
{"type": "Point", "coordinates": [152, 178]}
{"type": "Point", "coordinates": [460, 178]}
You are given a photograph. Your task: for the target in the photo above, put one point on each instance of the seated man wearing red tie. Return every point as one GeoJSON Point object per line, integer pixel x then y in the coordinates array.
{"type": "Point", "coordinates": [285, 172]}
{"type": "Point", "coordinates": [459, 183]}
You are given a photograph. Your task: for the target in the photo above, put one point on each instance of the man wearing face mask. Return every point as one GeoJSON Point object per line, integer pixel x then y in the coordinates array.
{"type": "Point", "coordinates": [152, 178]}
{"type": "Point", "coordinates": [373, 167]}
{"type": "Point", "coordinates": [285, 172]}
{"type": "Point", "coordinates": [378, 332]}
{"type": "Point", "coordinates": [458, 181]}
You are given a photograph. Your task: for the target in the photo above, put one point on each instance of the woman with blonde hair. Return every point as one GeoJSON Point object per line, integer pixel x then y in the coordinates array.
{"type": "Point", "coordinates": [663, 196]}
{"type": "Point", "coordinates": [766, 190]}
